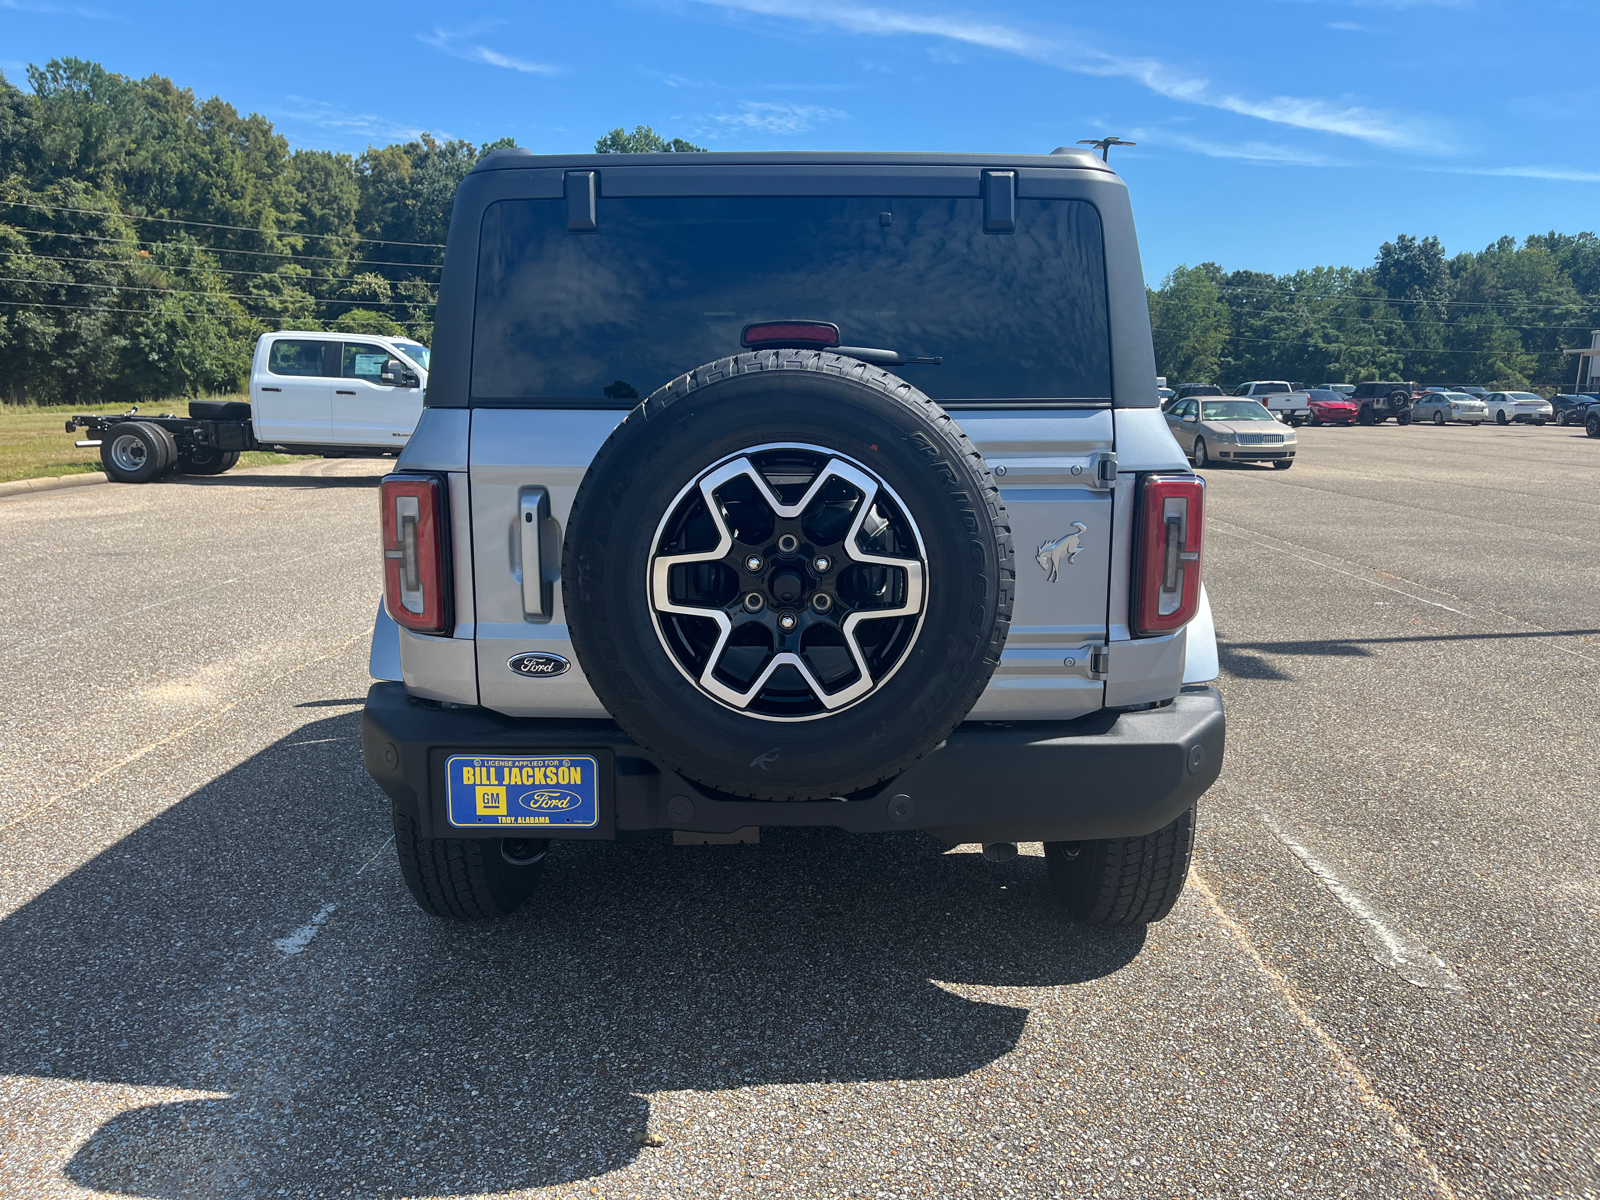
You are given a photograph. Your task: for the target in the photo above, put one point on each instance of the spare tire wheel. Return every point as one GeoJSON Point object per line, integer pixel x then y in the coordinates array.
{"type": "Point", "coordinates": [788, 575]}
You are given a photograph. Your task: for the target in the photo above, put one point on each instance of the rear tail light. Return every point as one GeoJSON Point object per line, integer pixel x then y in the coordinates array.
{"type": "Point", "coordinates": [415, 538]}
{"type": "Point", "coordinates": [790, 334]}
{"type": "Point", "coordinates": [1170, 527]}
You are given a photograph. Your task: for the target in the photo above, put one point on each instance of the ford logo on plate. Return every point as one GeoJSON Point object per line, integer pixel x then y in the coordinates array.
{"type": "Point", "coordinates": [538, 664]}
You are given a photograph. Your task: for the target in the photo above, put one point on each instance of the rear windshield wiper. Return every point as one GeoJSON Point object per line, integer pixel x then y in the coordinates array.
{"type": "Point", "coordinates": [883, 358]}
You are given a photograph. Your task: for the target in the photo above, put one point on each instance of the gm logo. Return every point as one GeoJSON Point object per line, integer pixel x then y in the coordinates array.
{"type": "Point", "coordinates": [538, 664]}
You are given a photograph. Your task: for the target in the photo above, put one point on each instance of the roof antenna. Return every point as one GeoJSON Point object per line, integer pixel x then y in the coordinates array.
{"type": "Point", "coordinates": [1104, 145]}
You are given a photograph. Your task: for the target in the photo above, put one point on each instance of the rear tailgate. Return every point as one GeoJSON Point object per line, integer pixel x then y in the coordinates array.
{"type": "Point", "coordinates": [1046, 465]}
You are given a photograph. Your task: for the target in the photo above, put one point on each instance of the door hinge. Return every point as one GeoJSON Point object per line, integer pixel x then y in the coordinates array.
{"type": "Point", "coordinates": [1105, 469]}
{"type": "Point", "coordinates": [1099, 662]}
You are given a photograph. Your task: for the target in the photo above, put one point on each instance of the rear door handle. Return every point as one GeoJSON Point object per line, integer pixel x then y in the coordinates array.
{"type": "Point", "coordinates": [537, 591]}
{"type": "Point", "coordinates": [267, 389]}
{"type": "Point", "coordinates": [342, 392]}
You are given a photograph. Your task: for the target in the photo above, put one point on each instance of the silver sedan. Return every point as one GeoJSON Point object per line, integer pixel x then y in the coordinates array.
{"type": "Point", "coordinates": [1444, 407]}
{"type": "Point", "coordinates": [1212, 431]}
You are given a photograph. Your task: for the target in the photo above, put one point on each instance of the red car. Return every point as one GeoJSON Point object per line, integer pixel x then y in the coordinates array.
{"type": "Point", "coordinates": [1330, 408]}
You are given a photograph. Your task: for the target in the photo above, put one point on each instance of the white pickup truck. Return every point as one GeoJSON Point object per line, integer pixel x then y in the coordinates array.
{"type": "Point", "coordinates": [310, 393]}
{"type": "Point", "coordinates": [1286, 401]}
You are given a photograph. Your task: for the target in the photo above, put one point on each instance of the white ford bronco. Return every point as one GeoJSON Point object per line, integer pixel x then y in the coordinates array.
{"type": "Point", "coordinates": [793, 490]}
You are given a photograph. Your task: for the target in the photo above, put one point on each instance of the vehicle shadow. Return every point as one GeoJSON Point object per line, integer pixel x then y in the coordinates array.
{"type": "Point", "coordinates": [393, 1055]}
{"type": "Point", "coordinates": [275, 481]}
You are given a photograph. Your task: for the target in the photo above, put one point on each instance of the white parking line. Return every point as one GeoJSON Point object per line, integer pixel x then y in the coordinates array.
{"type": "Point", "coordinates": [1398, 950]}
{"type": "Point", "coordinates": [297, 941]}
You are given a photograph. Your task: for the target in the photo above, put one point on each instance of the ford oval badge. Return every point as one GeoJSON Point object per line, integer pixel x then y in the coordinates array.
{"type": "Point", "coordinates": [538, 664]}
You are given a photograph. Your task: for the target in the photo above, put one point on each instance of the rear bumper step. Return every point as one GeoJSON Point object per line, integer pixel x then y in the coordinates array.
{"type": "Point", "coordinates": [1105, 775]}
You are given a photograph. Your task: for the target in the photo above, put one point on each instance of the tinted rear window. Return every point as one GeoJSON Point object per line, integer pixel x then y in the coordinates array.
{"type": "Point", "coordinates": [667, 284]}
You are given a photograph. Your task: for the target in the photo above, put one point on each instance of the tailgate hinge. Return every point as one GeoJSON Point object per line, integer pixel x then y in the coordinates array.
{"type": "Point", "coordinates": [1105, 469]}
{"type": "Point", "coordinates": [1099, 662]}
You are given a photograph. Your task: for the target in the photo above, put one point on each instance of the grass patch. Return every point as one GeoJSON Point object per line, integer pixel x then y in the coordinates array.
{"type": "Point", "coordinates": [33, 444]}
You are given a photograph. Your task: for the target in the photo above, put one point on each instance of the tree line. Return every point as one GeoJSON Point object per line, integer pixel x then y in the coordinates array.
{"type": "Point", "coordinates": [1498, 318]}
{"type": "Point", "coordinates": [148, 237]}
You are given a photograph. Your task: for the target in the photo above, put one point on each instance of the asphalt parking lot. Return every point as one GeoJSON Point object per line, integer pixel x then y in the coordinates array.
{"type": "Point", "coordinates": [1382, 980]}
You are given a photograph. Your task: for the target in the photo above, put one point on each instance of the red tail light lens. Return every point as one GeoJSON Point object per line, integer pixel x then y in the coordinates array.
{"type": "Point", "coordinates": [1170, 525]}
{"type": "Point", "coordinates": [415, 582]}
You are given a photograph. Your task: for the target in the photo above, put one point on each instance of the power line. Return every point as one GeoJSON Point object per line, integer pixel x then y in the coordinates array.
{"type": "Point", "coordinates": [1229, 289]}
{"type": "Point", "coordinates": [134, 262]}
{"type": "Point", "coordinates": [146, 311]}
{"type": "Point", "coordinates": [118, 287]}
{"type": "Point", "coordinates": [99, 212]}
{"type": "Point", "coordinates": [1401, 351]}
{"type": "Point", "coordinates": [89, 237]}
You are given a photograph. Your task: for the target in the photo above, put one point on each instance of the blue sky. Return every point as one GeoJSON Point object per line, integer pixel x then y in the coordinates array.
{"type": "Point", "coordinates": [1272, 133]}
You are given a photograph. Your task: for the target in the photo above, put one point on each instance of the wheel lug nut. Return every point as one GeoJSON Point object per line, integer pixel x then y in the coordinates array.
{"type": "Point", "coordinates": [821, 563]}
{"type": "Point", "coordinates": [753, 602]}
{"type": "Point", "coordinates": [822, 602]}
{"type": "Point", "coordinates": [753, 563]}
{"type": "Point", "coordinates": [788, 543]}
{"type": "Point", "coordinates": [787, 621]}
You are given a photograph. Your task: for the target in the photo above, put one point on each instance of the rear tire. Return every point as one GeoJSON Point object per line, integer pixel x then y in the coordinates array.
{"type": "Point", "coordinates": [137, 452]}
{"type": "Point", "coordinates": [1500, 418]}
{"type": "Point", "coordinates": [468, 879]}
{"type": "Point", "coordinates": [1592, 425]}
{"type": "Point", "coordinates": [1122, 881]}
{"type": "Point", "coordinates": [207, 462]}
{"type": "Point", "coordinates": [1438, 418]}
{"type": "Point", "coordinates": [1364, 417]}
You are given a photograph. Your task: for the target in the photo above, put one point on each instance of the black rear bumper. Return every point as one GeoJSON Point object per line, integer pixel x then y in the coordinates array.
{"type": "Point", "coordinates": [1105, 775]}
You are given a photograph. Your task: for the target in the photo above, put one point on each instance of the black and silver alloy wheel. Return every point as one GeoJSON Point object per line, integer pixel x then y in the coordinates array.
{"type": "Point", "coordinates": [787, 582]}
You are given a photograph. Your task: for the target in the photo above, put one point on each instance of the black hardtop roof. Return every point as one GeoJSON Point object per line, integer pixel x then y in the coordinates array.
{"type": "Point", "coordinates": [518, 159]}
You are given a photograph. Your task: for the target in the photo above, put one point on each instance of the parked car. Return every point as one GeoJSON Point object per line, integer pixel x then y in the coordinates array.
{"type": "Point", "coordinates": [742, 551]}
{"type": "Point", "coordinates": [1329, 407]}
{"type": "Point", "coordinates": [1185, 390]}
{"type": "Point", "coordinates": [1164, 393]}
{"type": "Point", "coordinates": [1228, 430]}
{"type": "Point", "coordinates": [1344, 389]}
{"type": "Point", "coordinates": [1284, 400]}
{"type": "Point", "coordinates": [1479, 392]}
{"type": "Point", "coordinates": [1444, 407]}
{"type": "Point", "coordinates": [1378, 401]}
{"type": "Point", "coordinates": [1571, 409]}
{"type": "Point", "coordinates": [1508, 408]}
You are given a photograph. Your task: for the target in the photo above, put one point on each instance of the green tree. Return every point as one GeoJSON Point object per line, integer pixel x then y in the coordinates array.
{"type": "Point", "coordinates": [643, 140]}
{"type": "Point", "coordinates": [1190, 325]}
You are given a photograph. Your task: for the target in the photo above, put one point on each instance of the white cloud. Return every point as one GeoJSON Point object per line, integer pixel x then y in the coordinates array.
{"type": "Point", "coordinates": [1352, 27]}
{"type": "Point", "coordinates": [326, 116]}
{"type": "Point", "coordinates": [1072, 53]}
{"type": "Point", "coordinates": [1563, 174]}
{"type": "Point", "coordinates": [781, 119]}
{"type": "Point", "coordinates": [44, 8]}
{"type": "Point", "coordinates": [456, 44]}
{"type": "Point", "coordinates": [1271, 154]}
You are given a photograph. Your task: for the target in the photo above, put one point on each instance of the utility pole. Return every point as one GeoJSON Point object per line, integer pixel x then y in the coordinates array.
{"type": "Point", "coordinates": [1104, 145]}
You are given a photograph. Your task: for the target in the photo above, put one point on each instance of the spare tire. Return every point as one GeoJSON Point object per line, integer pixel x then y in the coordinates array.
{"type": "Point", "coordinates": [219, 410]}
{"type": "Point", "coordinates": [788, 575]}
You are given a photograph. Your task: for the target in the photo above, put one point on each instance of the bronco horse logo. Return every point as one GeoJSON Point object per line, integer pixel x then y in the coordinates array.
{"type": "Point", "coordinates": [1051, 554]}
